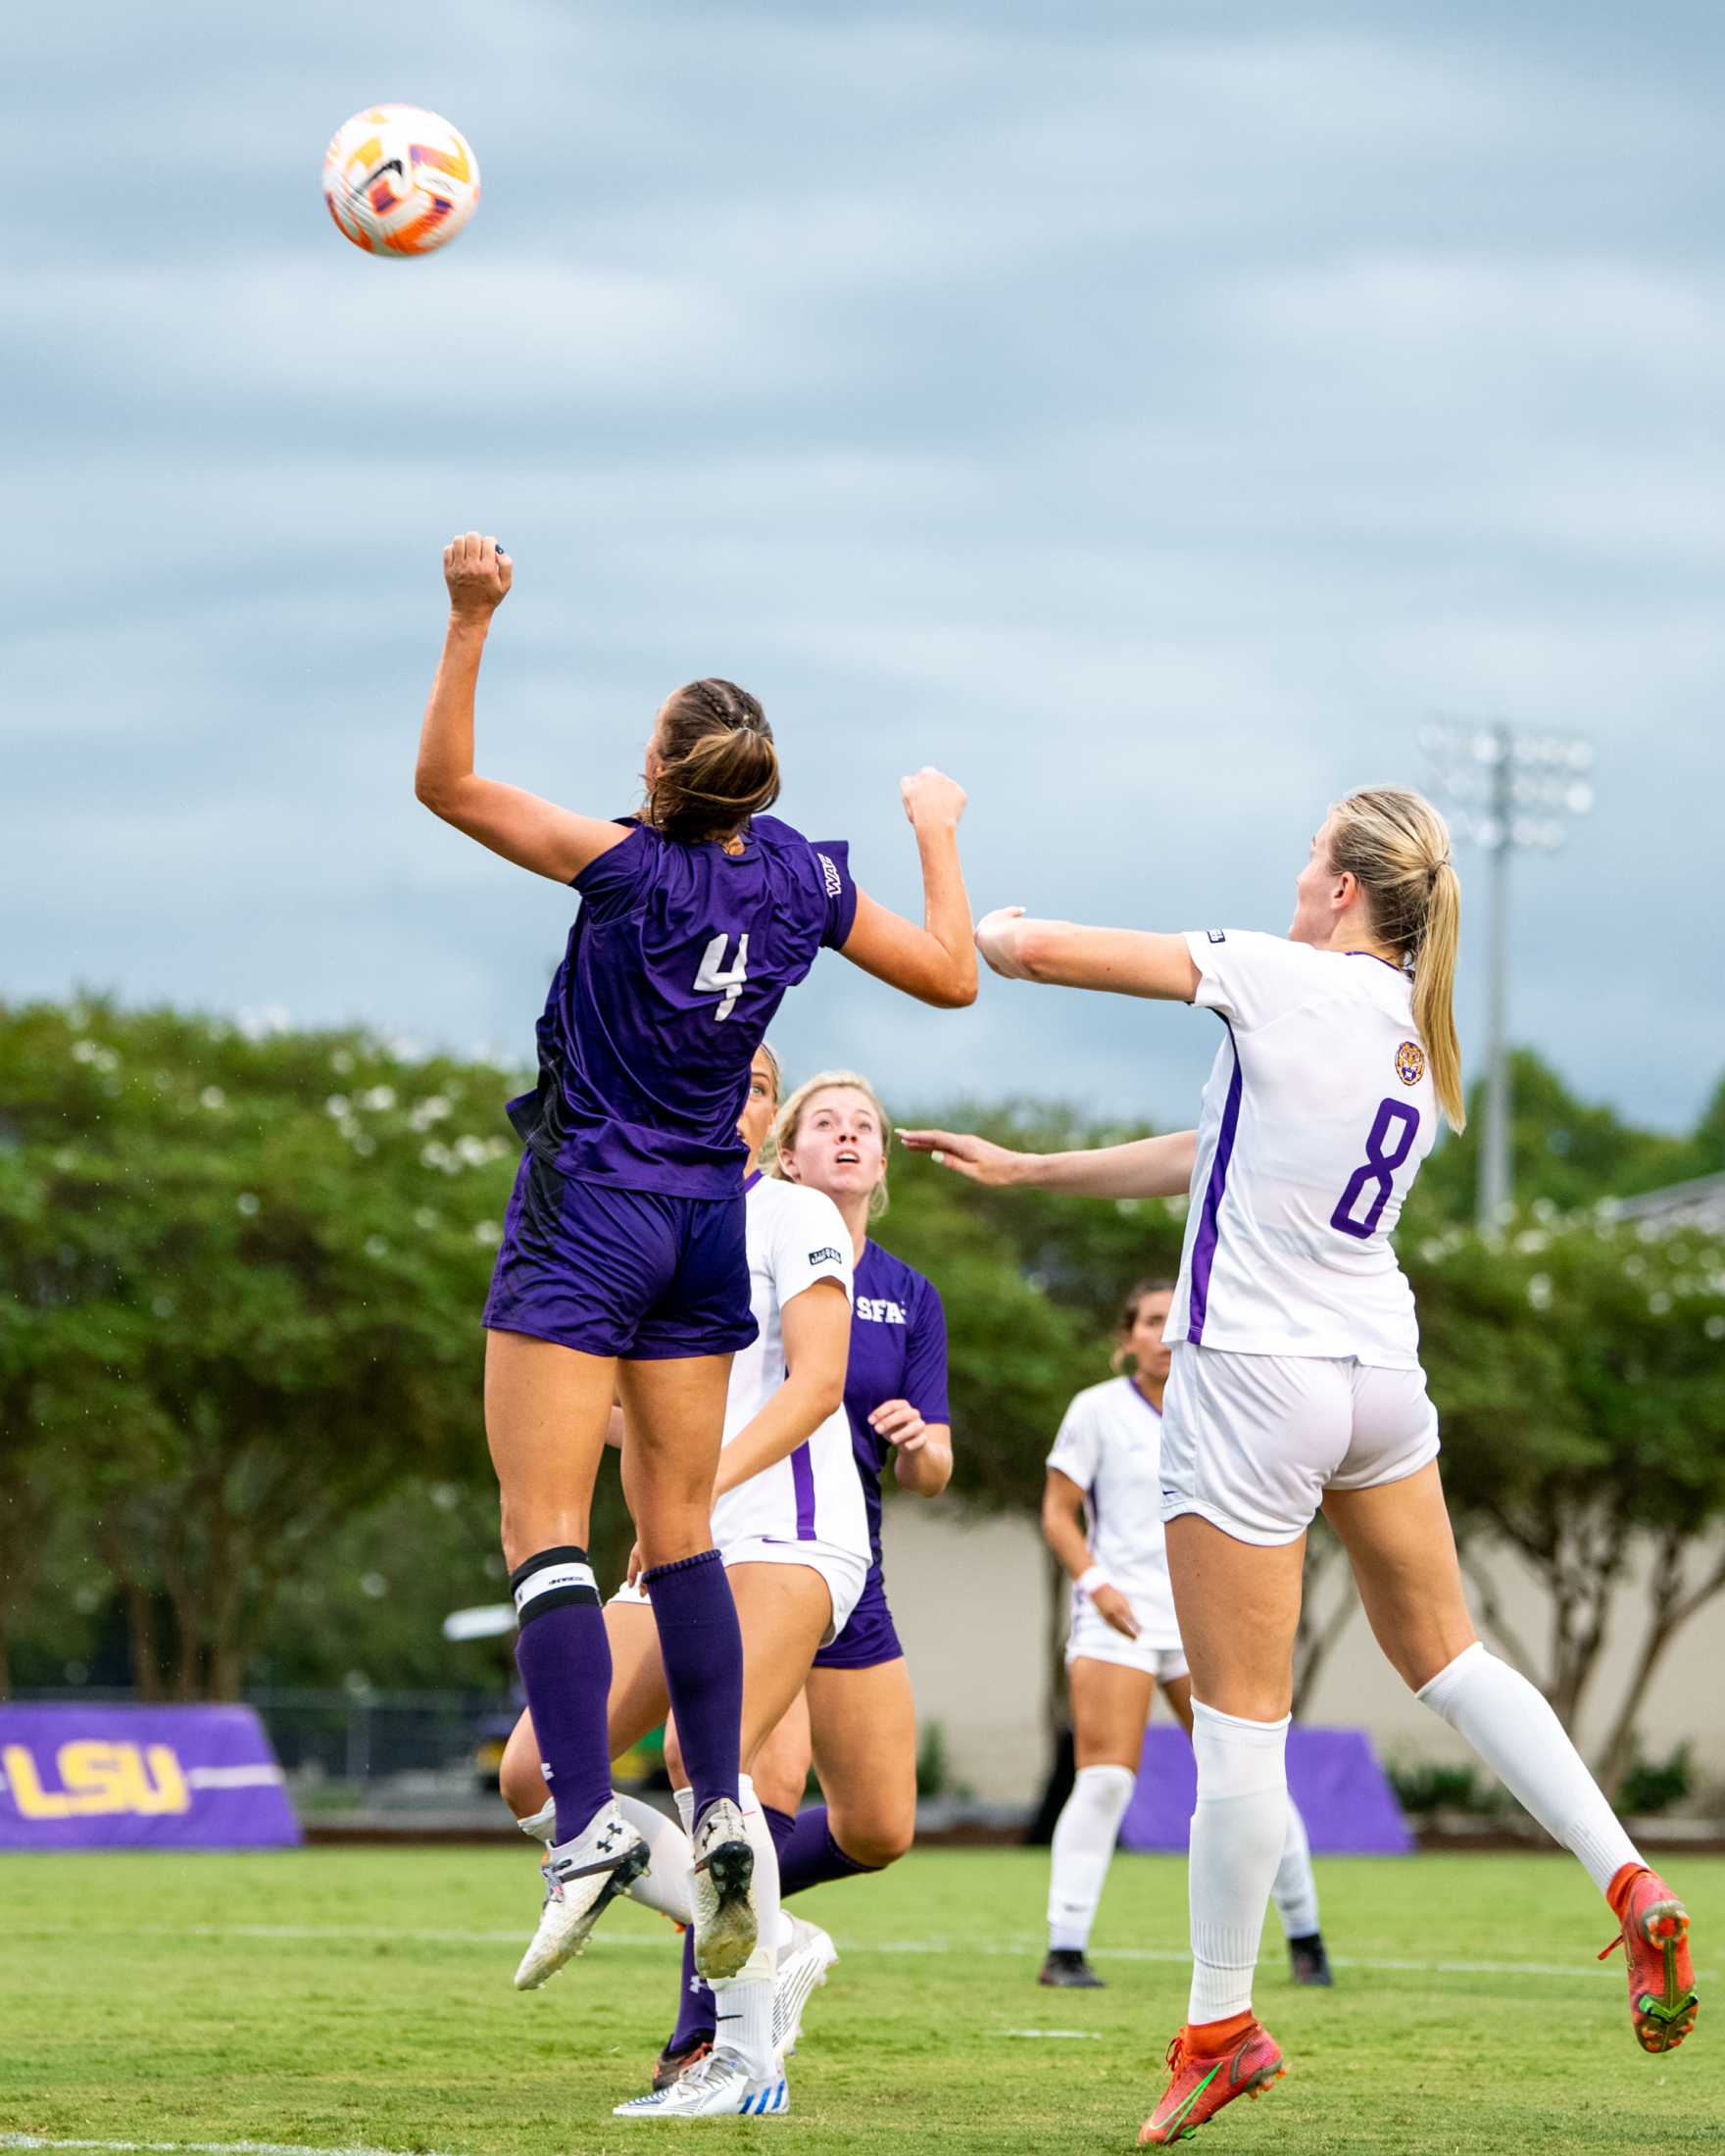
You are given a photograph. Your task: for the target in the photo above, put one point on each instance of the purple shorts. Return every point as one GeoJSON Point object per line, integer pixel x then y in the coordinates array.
{"type": "Point", "coordinates": [869, 1638]}
{"type": "Point", "coordinates": [618, 1272]}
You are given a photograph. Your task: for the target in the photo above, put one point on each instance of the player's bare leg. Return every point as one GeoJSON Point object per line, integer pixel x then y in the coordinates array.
{"type": "Point", "coordinates": [863, 1725]}
{"type": "Point", "coordinates": [1398, 1540]}
{"type": "Point", "coordinates": [547, 1409]}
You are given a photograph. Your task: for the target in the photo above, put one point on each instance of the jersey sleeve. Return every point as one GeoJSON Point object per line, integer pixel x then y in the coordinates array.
{"type": "Point", "coordinates": [925, 1358]}
{"type": "Point", "coordinates": [1077, 1446]}
{"type": "Point", "coordinates": [833, 858]}
{"type": "Point", "coordinates": [808, 1244]}
{"type": "Point", "coordinates": [616, 879]}
{"type": "Point", "coordinates": [1250, 978]}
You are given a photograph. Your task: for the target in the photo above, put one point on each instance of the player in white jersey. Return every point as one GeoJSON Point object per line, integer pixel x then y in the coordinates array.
{"type": "Point", "coordinates": [1295, 1382]}
{"type": "Point", "coordinates": [789, 1521]}
{"type": "Point", "coordinates": [1102, 1517]}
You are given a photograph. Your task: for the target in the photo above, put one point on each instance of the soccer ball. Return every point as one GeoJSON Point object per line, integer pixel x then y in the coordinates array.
{"type": "Point", "coordinates": [400, 180]}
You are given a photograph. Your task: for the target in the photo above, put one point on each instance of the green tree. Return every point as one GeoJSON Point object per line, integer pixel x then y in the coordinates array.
{"type": "Point", "coordinates": [1565, 1151]}
{"type": "Point", "coordinates": [244, 1276]}
{"type": "Point", "coordinates": [1577, 1366]}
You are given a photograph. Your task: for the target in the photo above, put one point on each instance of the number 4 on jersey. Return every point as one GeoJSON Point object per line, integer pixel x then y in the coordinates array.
{"type": "Point", "coordinates": [716, 976]}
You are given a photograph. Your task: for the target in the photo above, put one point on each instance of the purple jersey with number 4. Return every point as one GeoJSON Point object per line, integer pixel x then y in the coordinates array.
{"type": "Point", "coordinates": [678, 960]}
{"type": "Point", "coordinates": [898, 1351]}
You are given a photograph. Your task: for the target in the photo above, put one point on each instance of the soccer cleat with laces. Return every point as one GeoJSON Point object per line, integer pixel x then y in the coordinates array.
{"type": "Point", "coordinates": [1066, 1970]}
{"type": "Point", "coordinates": [1200, 2084]}
{"type": "Point", "coordinates": [1654, 1939]}
{"type": "Point", "coordinates": [803, 1963]}
{"type": "Point", "coordinates": [726, 1921]}
{"type": "Point", "coordinates": [583, 1877]}
{"type": "Point", "coordinates": [717, 2086]}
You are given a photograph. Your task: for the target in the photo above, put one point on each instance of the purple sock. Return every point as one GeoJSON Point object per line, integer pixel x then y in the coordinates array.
{"type": "Point", "coordinates": [808, 1856]}
{"type": "Point", "coordinates": [565, 1660]}
{"type": "Point", "coordinates": [702, 1651]}
{"type": "Point", "coordinates": [695, 2023]}
{"type": "Point", "coordinates": [780, 1825]}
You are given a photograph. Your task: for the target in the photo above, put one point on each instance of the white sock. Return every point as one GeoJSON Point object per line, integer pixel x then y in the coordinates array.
{"type": "Point", "coordinates": [742, 2005]}
{"type": "Point", "coordinates": [1083, 1846]}
{"type": "Point", "coordinates": [665, 1885]}
{"type": "Point", "coordinates": [1511, 1723]}
{"type": "Point", "coordinates": [684, 1801]}
{"type": "Point", "coordinates": [1294, 1891]}
{"type": "Point", "coordinates": [542, 1824]}
{"type": "Point", "coordinates": [1239, 1832]}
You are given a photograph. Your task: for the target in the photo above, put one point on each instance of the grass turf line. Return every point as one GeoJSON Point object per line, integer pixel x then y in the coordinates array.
{"type": "Point", "coordinates": [155, 1999]}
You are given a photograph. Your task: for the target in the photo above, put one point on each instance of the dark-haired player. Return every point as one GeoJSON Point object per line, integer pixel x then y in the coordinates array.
{"type": "Point", "coordinates": [1102, 1518]}
{"type": "Point", "coordinates": [624, 1269]}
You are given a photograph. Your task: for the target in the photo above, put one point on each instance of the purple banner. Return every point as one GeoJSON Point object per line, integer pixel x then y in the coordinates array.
{"type": "Point", "coordinates": [75, 1777]}
{"type": "Point", "coordinates": [1343, 1794]}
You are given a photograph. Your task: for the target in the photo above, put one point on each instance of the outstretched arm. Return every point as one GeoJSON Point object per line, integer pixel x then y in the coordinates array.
{"type": "Point", "coordinates": [522, 827]}
{"type": "Point", "coordinates": [936, 962]}
{"type": "Point", "coordinates": [1127, 961]}
{"type": "Point", "coordinates": [1142, 1167]}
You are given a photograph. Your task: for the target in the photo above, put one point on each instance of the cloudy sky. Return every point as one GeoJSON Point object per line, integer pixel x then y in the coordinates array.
{"type": "Point", "coordinates": [1154, 414]}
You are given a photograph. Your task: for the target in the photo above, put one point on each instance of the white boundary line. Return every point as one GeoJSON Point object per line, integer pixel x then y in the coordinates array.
{"type": "Point", "coordinates": [199, 2148]}
{"type": "Point", "coordinates": [974, 1949]}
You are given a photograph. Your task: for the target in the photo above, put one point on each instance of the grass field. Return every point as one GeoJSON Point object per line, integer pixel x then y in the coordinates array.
{"type": "Point", "coordinates": [336, 1998]}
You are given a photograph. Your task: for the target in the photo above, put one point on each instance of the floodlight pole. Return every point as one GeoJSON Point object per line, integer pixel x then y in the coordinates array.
{"type": "Point", "coordinates": [1496, 783]}
{"type": "Point", "coordinates": [1493, 1194]}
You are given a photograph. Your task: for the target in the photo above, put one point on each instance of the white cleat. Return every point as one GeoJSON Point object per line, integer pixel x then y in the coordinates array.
{"type": "Point", "coordinates": [803, 1963]}
{"type": "Point", "coordinates": [583, 1877]}
{"type": "Point", "coordinates": [723, 1890]}
{"type": "Point", "coordinates": [717, 2086]}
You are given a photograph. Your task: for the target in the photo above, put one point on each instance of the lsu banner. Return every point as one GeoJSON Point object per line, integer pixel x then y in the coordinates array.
{"type": "Point", "coordinates": [1333, 1774]}
{"type": "Point", "coordinates": [75, 1777]}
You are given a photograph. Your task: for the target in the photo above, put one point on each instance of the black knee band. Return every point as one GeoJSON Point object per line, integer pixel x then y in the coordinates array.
{"type": "Point", "coordinates": [550, 1580]}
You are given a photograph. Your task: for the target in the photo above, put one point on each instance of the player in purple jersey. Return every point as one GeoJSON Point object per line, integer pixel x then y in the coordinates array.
{"type": "Point", "coordinates": [622, 1271]}
{"type": "Point", "coordinates": [859, 1717]}
{"type": "Point", "coordinates": [1296, 1382]}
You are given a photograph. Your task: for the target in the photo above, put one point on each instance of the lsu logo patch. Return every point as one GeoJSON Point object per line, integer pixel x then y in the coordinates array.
{"type": "Point", "coordinates": [1410, 1062]}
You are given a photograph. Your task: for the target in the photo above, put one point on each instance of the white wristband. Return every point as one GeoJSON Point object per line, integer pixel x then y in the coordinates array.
{"type": "Point", "coordinates": [1089, 1581]}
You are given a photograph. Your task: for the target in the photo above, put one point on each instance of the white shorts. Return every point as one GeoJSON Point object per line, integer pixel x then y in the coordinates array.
{"type": "Point", "coordinates": [1250, 1442]}
{"type": "Point", "coordinates": [845, 1572]}
{"type": "Point", "coordinates": [1094, 1639]}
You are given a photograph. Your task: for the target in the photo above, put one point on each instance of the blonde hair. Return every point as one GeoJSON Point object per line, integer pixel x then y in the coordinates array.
{"type": "Point", "coordinates": [1397, 846]}
{"type": "Point", "coordinates": [789, 1120]}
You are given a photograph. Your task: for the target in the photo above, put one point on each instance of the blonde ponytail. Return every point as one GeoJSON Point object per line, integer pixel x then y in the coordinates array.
{"type": "Point", "coordinates": [1397, 848]}
{"type": "Point", "coordinates": [1434, 991]}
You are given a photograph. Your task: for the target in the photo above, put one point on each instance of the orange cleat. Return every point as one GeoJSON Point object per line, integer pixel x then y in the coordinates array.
{"type": "Point", "coordinates": [1198, 2085]}
{"type": "Point", "coordinates": [1654, 1939]}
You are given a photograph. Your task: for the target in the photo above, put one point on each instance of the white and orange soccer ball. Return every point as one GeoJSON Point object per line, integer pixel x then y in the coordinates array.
{"type": "Point", "coordinates": [400, 180]}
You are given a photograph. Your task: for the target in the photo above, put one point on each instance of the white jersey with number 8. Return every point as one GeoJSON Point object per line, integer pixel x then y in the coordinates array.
{"type": "Point", "coordinates": [1316, 1117]}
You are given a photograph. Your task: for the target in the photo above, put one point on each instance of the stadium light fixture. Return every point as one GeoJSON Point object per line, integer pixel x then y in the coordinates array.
{"type": "Point", "coordinates": [1505, 792]}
